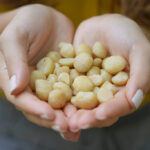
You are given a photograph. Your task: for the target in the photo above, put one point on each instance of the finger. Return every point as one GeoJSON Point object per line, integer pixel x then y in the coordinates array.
{"type": "Point", "coordinates": [70, 136]}
{"type": "Point", "coordinates": [69, 110]}
{"type": "Point", "coordinates": [118, 106]}
{"type": "Point", "coordinates": [15, 54]}
{"type": "Point", "coordinates": [139, 80]}
{"type": "Point", "coordinates": [87, 120]}
{"type": "Point", "coordinates": [38, 121]}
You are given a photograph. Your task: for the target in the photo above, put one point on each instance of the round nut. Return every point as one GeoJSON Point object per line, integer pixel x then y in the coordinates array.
{"type": "Point", "coordinates": [85, 100]}
{"type": "Point", "coordinates": [46, 66]}
{"type": "Point", "coordinates": [83, 62]}
{"type": "Point", "coordinates": [120, 78]}
{"type": "Point", "coordinates": [64, 77]}
{"type": "Point", "coordinates": [104, 95]}
{"type": "Point", "coordinates": [96, 79]}
{"type": "Point", "coordinates": [43, 87]}
{"type": "Point", "coordinates": [35, 75]}
{"type": "Point", "coordinates": [96, 89]}
{"type": "Point", "coordinates": [57, 99]}
{"type": "Point", "coordinates": [110, 86]}
{"type": "Point", "coordinates": [99, 50]}
{"type": "Point", "coordinates": [105, 75]}
{"type": "Point", "coordinates": [94, 70]}
{"type": "Point", "coordinates": [55, 56]}
{"type": "Point", "coordinates": [83, 48]}
{"type": "Point", "coordinates": [97, 62]}
{"type": "Point", "coordinates": [66, 62]}
{"type": "Point", "coordinates": [73, 74]}
{"type": "Point", "coordinates": [114, 64]}
{"type": "Point", "coordinates": [65, 88]}
{"type": "Point", "coordinates": [66, 50]}
{"type": "Point", "coordinates": [59, 70]}
{"type": "Point", "coordinates": [83, 84]}
{"type": "Point", "coordinates": [52, 78]}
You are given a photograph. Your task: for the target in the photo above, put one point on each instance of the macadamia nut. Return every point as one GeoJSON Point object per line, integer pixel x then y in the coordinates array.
{"type": "Point", "coordinates": [55, 56]}
{"type": "Point", "coordinates": [85, 100]}
{"type": "Point", "coordinates": [57, 99]}
{"type": "Point", "coordinates": [99, 50]}
{"type": "Point", "coordinates": [83, 84]}
{"type": "Point", "coordinates": [66, 50]}
{"type": "Point", "coordinates": [83, 62]}
{"type": "Point", "coordinates": [35, 75]}
{"type": "Point", "coordinates": [64, 77]}
{"type": "Point", "coordinates": [83, 48]}
{"type": "Point", "coordinates": [66, 62]}
{"type": "Point", "coordinates": [120, 78]}
{"type": "Point", "coordinates": [43, 87]}
{"type": "Point", "coordinates": [46, 66]}
{"type": "Point", "coordinates": [104, 95]}
{"type": "Point", "coordinates": [110, 86]}
{"type": "Point", "coordinates": [93, 70]}
{"type": "Point", "coordinates": [114, 64]}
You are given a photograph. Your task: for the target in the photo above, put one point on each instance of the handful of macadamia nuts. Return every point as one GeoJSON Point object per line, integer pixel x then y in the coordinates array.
{"type": "Point", "coordinates": [85, 77]}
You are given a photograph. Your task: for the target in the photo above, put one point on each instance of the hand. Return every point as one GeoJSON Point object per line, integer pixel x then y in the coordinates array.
{"type": "Point", "coordinates": [121, 36]}
{"type": "Point", "coordinates": [27, 35]}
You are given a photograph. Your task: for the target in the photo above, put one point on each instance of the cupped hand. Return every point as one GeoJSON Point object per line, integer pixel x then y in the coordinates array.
{"type": "Point", "coordinates": [27, 34]}
{"type": "Point", "coordinates": [120, 36]}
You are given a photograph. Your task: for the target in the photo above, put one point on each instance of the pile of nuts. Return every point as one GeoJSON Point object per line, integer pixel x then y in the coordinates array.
{"type": "Point", "coordinates": [85, 77]}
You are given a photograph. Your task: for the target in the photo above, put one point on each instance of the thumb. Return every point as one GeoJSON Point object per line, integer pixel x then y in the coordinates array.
{"type": "Point", "coordinates": [14, 48]}
{"type": "Point", "coordinates": [139, 81]}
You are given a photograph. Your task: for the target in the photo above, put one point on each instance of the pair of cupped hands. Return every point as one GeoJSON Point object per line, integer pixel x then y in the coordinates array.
{"type": "Point", "coordinates": [30, 32]}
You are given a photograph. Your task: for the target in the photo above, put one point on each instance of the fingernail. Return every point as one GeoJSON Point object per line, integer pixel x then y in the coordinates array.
{"type": "Point", "coordinates": [98, 117]}
{"type": "Point", "coordinates": [62, 135]}
{"type": "Point", "coordinates": [85, 127]}
{"type": "Point", "coordinates": [45, 117]}
{"type": "Point", "coordinates": [138, 97]}
{"type": "Point", "coordinates": [12, 83]}
{"type": "Point", "coordinates": [74, 130]}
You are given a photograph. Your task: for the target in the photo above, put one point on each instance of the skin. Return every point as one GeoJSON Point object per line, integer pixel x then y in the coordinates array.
{"type": "Point", "coordinates": [121, 36]}
{"type": "Point", "coordinates": [30, 38]}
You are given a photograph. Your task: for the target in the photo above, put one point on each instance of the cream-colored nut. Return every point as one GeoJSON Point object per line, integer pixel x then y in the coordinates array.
{"type": "Point", "coordinates": [55, 56]}
{"type": "Point", "coordinates": [35, 75]}
{"type": "Point", "coordinates": [97, 62]}
{"type": "Point", "coordinates": [93, 70]}
{"type": "Point", "coordinates": [64, 77]}
{"type": "Point", "coordinates": [83, 84]}
{"type": "Point", "coordinates": [96, 89]}
{"type": "Point", "coordinates": [46, 65]}
{"type": "Point", "coordinates": [65, 88]}
{"type": "Point", "coordinates": [59, 70]}
{"type": "Point", "coordinates": [66, 50]}
{"type": "Point", "coordinates": [73, 74]}
{"type": "Point", "coordinates": [105, 75]}
{"type": "Point", "coordinates": [43, 87]}
{"type": "Point", "coordinates": [110, 86]}
{"type": "Point", "coordinates": [83, 62]}
{"type": "Point", "coordinates": [96, 79]}
{"type": "Point", "coordinates": [99, 50]}
{"type": "Point", "coordinates": [85, 100]}
{"type": "Point", "coordinates": [52, 78]}
{"type": "Point", "coordinates": [104, 95]}
{"type": "Point", "coordinates": [57, 99]}
{"type": "Point", "coordinates": [74, 92]}
{"type": "Point", "coordinates": [57, 65]}
{"type": "Point", "coordinates": [83, 48]}
{"type": "Point", "coordinates": [66, 62]}
{"type": "Point", "coordinates": [114, 64]}
{"type": "Point", "coordinates": [120, 78]}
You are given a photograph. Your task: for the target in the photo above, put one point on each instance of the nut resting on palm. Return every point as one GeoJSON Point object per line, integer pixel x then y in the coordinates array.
{"type": "Point", "coordinates": [86, 77]}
